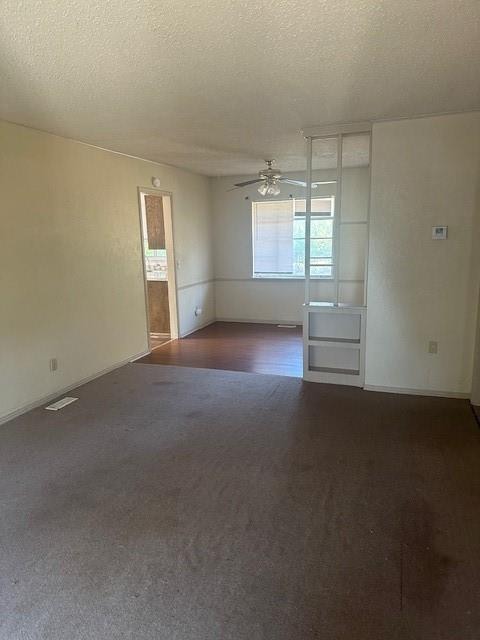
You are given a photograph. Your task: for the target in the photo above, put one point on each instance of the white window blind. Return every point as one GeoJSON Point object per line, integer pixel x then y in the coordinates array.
{"type": "Point", "coordinates": [279, 238]}
{"type": "Point", "coordinates": [272, 238]}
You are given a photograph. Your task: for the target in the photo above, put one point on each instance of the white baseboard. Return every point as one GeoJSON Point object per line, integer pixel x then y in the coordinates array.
{"type": "Point", "coordinates": [298, 323]}
{"type": "Point", "coordinates": [44, 399]}
{"type": "Point", "coordinates": [206, 324]}
{"type": "Point", "coordinates": [202, 326]}
{"type": "Point", "coordinates": [417, 392]}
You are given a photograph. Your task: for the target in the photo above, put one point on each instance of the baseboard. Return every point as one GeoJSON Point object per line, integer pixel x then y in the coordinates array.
{"type": "Point", "coordinates": [44, 399]}
{"type": "Point", "coordinates": [249, 320]}
{"type": "Point", "coordinates": [202, 326]}
{"type": "Point", "coordinates": [417, 392]}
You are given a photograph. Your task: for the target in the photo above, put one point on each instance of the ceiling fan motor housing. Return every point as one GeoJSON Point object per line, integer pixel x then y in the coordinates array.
{"type": "Point", "coordinates": [270, 174]}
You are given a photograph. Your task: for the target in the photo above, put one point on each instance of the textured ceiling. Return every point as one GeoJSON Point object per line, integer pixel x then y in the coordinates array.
{"type": "Point", "coordinates": [216, 86]}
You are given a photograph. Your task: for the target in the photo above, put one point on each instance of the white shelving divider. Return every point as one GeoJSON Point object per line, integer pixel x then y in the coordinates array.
{"type": "Point", "coordinates": [333, 331]}
{"type": "Point", "coordinates": [334, 343]}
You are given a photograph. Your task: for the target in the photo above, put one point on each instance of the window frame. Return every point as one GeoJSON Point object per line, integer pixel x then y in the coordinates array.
{"type": "Point", "coordinates": [313, 216]}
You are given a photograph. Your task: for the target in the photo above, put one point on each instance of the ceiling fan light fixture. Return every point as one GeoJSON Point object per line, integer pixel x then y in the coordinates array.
{"type": "Point", "coordinates": [269, 180]}
{"type": "Point", "coordinates": [273, 189]}
{"type": "Point", "coordinates": [263, 189]}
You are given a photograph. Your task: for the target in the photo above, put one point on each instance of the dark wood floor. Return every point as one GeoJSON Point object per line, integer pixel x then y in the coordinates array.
{"type": "Point", "coordinates": [236, 346]}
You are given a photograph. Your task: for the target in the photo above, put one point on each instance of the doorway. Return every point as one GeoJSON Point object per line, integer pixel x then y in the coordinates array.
{"type": "Point", "coordinates": [158, 266]}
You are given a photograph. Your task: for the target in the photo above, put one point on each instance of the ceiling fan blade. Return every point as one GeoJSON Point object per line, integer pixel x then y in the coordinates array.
{"type": "Point", "coordinates": [299, 183]}
{"type": "Point", "coordinates": [244, 184]}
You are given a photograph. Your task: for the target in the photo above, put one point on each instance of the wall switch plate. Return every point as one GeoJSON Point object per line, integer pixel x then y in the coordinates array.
{"type": "Point", "coordinates": [53, 364]}
{"type": "Point", "coordinates": [432, 346]}
{"type": "Point", "coordinates": [439, 233]}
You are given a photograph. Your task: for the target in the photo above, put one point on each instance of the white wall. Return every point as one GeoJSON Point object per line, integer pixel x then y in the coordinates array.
{"type": "Point", "coordinates": [425, 172]}
{"type": "Point", "coordinates": [71, 278]}
{"type": "Point", "coordinates": [238, 295]}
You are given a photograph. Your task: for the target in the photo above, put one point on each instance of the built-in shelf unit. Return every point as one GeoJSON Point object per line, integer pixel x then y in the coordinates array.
{"type": "Point", "coordinates": [338, 167]}
{"type": "Point", "coordinates": [334, 343]}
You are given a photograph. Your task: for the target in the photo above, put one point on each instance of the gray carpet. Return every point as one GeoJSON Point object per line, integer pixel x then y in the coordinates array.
{"type": "Point", "coordinates": [476, 411]}
{"type": "Point", "coordinates": [184, 504]}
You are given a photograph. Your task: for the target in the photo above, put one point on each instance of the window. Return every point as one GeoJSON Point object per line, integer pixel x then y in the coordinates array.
{"type": "Point", "coordinates": [279, 238]}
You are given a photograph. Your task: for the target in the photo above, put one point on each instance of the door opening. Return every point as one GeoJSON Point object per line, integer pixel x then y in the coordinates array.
{"type": "Point", "coordinates": [159, 267]}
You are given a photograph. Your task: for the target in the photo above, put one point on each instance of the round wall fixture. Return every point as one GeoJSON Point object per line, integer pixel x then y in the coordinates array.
{"type": "Point", "coordinates": [156, 182]}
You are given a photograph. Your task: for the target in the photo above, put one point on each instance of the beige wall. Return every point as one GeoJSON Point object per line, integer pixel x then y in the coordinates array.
{"type": "Point", "coordinates": [425, 172]}
{"type": "Point", "coordinates": [71, 277]}
{"type": "Point", "coordinates": [238, 295]}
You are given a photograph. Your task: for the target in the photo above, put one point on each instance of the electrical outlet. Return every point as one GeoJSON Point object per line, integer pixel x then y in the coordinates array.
{"type": "Point", "coordinates": [53, 364]}
{"type": "Point", "coordinates": [432, 346]}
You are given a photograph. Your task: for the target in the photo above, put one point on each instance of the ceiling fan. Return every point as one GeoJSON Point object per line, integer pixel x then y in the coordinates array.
{"type": "Point", "coordinates": [270, 179]}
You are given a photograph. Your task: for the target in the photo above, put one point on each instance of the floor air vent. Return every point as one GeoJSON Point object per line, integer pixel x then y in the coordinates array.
{"type": "Point", "coordinates": [59, 404]}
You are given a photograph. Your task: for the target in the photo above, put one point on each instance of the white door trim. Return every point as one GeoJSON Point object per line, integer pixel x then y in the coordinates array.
{"type": "Point", "coordinates": [167, 197]}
